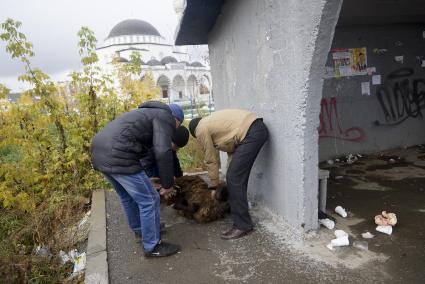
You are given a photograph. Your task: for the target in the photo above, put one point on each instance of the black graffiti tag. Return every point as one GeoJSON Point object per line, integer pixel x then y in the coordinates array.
{"type": "Point", "coordinates": [400, 98]}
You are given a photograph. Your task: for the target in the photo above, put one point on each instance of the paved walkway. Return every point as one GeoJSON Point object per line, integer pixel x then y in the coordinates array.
{"type": "Point", "coordinates": [261, 257]}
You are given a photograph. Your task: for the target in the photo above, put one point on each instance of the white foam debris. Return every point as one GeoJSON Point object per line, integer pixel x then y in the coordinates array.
{"type": "Point", "coordinates": [328, 223]}
{"type": "Point", "coordinates": [367, 235]}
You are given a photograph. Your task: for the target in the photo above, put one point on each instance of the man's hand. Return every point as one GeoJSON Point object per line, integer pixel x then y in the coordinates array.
{"type": "Point", "coordinates": [155, 183]}
{"type": "Point", "coordinates": [166, 192]}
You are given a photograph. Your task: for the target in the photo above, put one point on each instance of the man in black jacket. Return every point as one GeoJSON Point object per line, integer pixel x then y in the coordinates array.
{"type": "Point", "coordinates": [180, 139]}
{"type": "Point", "coordinates": [116, 152]}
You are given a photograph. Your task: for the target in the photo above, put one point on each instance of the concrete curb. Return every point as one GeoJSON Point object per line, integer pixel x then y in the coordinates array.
{"type": "Point", "coordinates": [97, 264]}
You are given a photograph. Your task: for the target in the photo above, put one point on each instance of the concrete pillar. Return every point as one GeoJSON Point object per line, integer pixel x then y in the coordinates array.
{"type": "Point", "coordinates": [269, 57]}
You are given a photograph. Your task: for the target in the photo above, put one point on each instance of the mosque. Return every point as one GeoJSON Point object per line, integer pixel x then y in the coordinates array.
{"type": "Point", "coordinates": [179, 80]}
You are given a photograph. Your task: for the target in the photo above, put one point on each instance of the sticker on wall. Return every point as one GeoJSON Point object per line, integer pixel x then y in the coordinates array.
{"type": "Point", "coordinates": [399, 59]}
{"type": "Point", "coordinates": [380, 51]}
{"type": "Point", "coordinates": [366, 88]}
{"type": "Point", "coordinates": [349, 61]}
{"type": "Point", "coordinates": [371, 70]}
{"type": "Point", "coordinates": [376, 80]}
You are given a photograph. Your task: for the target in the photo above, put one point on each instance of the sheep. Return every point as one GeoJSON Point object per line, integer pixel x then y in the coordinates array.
{"type": "Point", "coordinates": [193, 198]}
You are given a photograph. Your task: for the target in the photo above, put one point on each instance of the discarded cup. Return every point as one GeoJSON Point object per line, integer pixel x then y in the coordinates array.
{"type": "Point", "coordinates": [340, 233]}
{"type": "Point", "coordinates": [340, 242]}
{"type": "Point", "coordinates": [367, 235]}
{"type": "Point", "coordinates": [341, 211]}
{"type": "Point", "coordinates": [385, 229]}
{"type": "Point", "coordinates": [361, 245]}
{"type": "Point", "coordinates": [327, 223]}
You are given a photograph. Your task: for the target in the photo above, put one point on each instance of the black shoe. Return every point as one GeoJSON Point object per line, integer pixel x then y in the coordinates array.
{"type": "Point", "coordinates": [163, 249]}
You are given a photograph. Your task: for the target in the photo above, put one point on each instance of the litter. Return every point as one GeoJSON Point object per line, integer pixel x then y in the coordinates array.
{"type": "Point", "coordinates": [327, 223]}
{"type": "Point", "coordinates": [339, 177]}
{"type": "Point", "coordinates": [385, 229]}
{"type": "Point", "coordinates": [361, 245]}
{"type": "Point", "coordinates": [340, 233]}
{"type": "Point", "coordinates": [341, 211]}
{"type": "Point", "coordinates": [43, 252]}
{"type": "Point", "coordinates": [391, 159]}
{"type": "Point", "coordinates": [84, 220]}
{"type": "Point", "coordinates": [386, 219]}
{"type": "Point", "coordinates": [330, 162]}
{"type": "Point", "coordinates": [340, 241]}
{"type": "Point", "coordinates": [79, 260]}
{"type": "Point", "coordinates": [79, 263]}
{"type": "Point", "coordinates": [367, 235]}
{"type": "Point", "coordinates": [64, 257]}
{"type": "Point", "coordinates": [350, 158]}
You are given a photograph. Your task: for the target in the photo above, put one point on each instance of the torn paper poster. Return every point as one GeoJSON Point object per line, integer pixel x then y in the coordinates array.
{"type": "Point", "coordinates": [349, 61]}
{"type": "Point", "coordinates": [399, 58]}
{"type": "Point", "coordinates": [376, 80]}
{"type": "Point", "coordinates": [371, 70]}
{"type": "Point", "coordinates": [366, 88]}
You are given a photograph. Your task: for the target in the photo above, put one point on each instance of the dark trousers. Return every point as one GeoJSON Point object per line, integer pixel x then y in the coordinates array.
{"type": "Point", "coordinates": [238, 173]}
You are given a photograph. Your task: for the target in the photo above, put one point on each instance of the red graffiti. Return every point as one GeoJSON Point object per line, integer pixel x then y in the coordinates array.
{"type": "Point", "coordinates": [329, 117]}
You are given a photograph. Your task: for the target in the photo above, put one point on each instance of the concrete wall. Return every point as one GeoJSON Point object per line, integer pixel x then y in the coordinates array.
{"type": "Point", "coordinates": [268, 57]}
{"type": "Point", "coordinates": [354, 122]}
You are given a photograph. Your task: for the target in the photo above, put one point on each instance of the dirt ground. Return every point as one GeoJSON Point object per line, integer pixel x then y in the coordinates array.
{"type": "Point", "coordinates": [393, 181]}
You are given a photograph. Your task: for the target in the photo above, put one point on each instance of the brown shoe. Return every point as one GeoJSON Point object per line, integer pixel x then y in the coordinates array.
{"type": "Point", "coordinates": [235, 233]}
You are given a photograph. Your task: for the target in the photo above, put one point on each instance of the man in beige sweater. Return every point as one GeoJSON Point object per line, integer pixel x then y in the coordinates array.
{"type": "Point", "coordinates": [241, 134]}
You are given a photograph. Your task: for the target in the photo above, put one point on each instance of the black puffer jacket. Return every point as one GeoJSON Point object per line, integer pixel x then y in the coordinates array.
{"type": "Point", "coordinates": [119, 146]}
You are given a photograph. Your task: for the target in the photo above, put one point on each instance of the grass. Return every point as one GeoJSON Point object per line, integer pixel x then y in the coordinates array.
{"type": "Point", "coordinates": [191, 156]}
{"type": "Point", "coordinates": [9, 153]}
{"type": "Point", "coordinates": [21, 232]}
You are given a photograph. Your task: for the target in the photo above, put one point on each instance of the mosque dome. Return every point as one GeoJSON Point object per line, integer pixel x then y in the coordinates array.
{"type": "Point", "coordinates": [153, 62]}
{"type": "Point", "coordinates": [196, 64]}
{"type": "Point", "coordinates": [121, 60]}
{"type": "Point", "coordinates": [168, 59]}
{"type": "Point", "coordinates": [133, 27]}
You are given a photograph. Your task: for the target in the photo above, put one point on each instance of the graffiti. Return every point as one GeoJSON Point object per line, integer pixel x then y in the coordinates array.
{"type": "Point", "coordinates": [401, 98]}
{"type": "Point", "coordinates": [330, 125]}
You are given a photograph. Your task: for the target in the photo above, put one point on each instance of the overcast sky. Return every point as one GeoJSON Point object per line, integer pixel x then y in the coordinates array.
{"type": "Point", "coordinates": [52, 26]}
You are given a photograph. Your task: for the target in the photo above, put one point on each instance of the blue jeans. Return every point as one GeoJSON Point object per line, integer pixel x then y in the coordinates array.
{"type": "Point", "coordinates": [141, 205]}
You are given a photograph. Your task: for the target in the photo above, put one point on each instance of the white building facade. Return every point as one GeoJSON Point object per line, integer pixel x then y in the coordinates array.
{"type": "Point", "coordinates": [179, 79]}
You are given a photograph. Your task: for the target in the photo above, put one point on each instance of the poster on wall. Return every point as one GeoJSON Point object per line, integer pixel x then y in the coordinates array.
{"type": "Point", "coordinates": [349, 61]}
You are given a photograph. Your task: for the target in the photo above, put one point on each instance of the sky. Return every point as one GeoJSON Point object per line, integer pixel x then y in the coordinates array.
{"type": "Point", "coordinates": [52, 26]}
